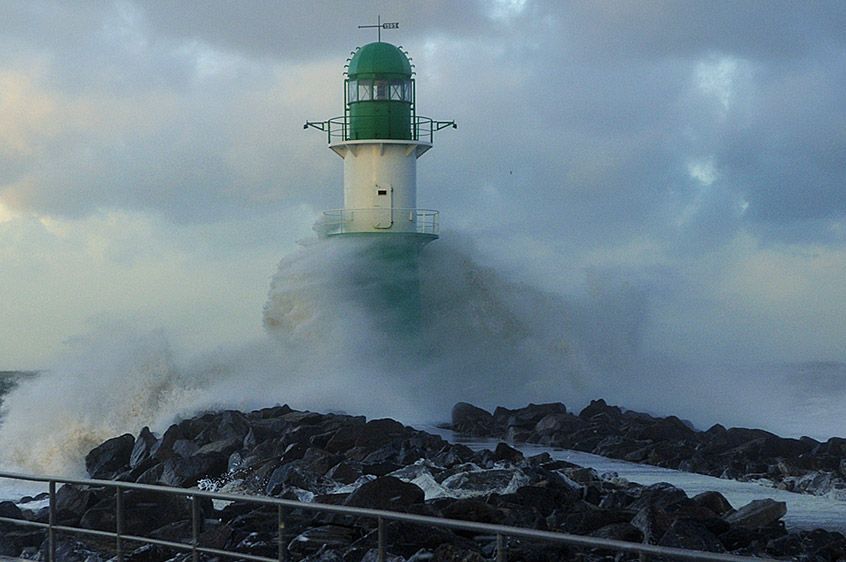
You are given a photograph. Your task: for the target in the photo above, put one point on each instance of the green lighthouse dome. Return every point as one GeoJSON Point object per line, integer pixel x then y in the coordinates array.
{"type": "Point", "coordinates": [379, 93]}
{"type": "Point", "coordinates": [379, 59]}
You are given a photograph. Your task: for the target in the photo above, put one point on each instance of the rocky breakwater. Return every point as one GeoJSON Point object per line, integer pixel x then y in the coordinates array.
{"type": "Point", "coordinates": [802, 465]}
{"type": "Point", "coordinates": [347, 460]}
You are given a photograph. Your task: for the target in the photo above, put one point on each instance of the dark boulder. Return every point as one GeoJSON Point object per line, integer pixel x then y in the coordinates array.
{"type": "Point", "coordinates": [344, 472]}
{"type": "Point", "coordinates": [600, 407]}
{"type": "Point", "coordinates": [528, 417]}
{"type": "Point", "coordinates": [556, 423]}
{"type": "Point", "coordinates": [619, 532]}
{"type": "Point", "coordinates": [386, 492]}
{"type": "Point", "coordinates": [221, 446]}
{"type": "Point", "coordinates": [714, 501]}
{"type": "Point", "coordinates": [10, 510]}
{"type": "Point", "coordinates": [162, 449]}
{"type": "Point", "coordinates": [110, 457]}
{"type": "Point", "coordinates": [142, 449]}
{"type": "Point", "coordinates": [472, 510]}
{"type": "Point", "coordinates": [315, 538]}
{"type": "Point", "coordinates": [691, 535]}
{"type": "Point", "coordinates": [666, 429]}
{"type": "Point", "coordinates": [472, 420]}
{"type": "Point", "coordinates": [378, 433]}
{"type": "Point", "coordinates": [652, 522]}
{"type": "Point", "coordinates": [73, 501]}
{"type": "Point", "coordinates": [757, 514]}
{"type": "Point", "coordinates": [184, 473]}
{"type": "Point", "coordinates": [294, 474]}
{"type": "Point", "coordinates": [504, 452]}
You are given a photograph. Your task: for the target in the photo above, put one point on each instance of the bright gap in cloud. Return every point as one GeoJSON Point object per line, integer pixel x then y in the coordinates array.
{"type": "Point", "coordinates": [505, 9]}
{"type": "Point", "coordinates": [716, 78]}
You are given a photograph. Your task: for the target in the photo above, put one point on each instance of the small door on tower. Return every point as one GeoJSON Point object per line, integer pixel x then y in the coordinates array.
{"type": "Point", "coordinates": [384, 203]}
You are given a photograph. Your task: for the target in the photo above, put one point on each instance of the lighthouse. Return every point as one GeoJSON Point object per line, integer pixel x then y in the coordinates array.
{"type": "Point", "coordinates": [380, 137]}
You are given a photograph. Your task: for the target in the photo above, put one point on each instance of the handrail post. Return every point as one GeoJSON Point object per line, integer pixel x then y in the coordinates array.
{"type": "Point", "coordinates": [195, 528]}
{"type": "Point", "coordinates": [500, 548]}
{"type": "Point", "coordinates": [380, 537]}
{"type": "Point", "coordinates": [280, 517]}
{"type": "Point", "coordinates": [51, 534]}
{"type": "Point", "coordinates": [119, 523]}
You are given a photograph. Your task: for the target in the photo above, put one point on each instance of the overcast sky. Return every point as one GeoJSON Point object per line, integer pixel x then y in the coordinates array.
{"type": "Point", "coordinates": [153, 165]}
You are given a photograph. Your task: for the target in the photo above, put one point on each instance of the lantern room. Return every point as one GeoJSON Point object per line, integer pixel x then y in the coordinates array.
{"type": "Point", "coordinates": [379, 93]}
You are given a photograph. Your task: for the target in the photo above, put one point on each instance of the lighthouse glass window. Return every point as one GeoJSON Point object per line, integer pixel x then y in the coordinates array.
{"type": "Point", "coordinates": [380, 90]}
{"type": "Point", "coordinates": [364, 90]}
{"type": "Point", "coordinates": [396, 90]}
{"type": "Point", "coordinates": [352, 91]}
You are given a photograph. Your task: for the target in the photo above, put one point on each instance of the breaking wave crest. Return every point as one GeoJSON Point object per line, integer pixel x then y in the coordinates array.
{"type": "Point", "coordinates": [348, 327]}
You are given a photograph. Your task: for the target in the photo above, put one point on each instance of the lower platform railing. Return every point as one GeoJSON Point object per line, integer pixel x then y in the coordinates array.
{"type": "Point", "coordinates": [499, 533]}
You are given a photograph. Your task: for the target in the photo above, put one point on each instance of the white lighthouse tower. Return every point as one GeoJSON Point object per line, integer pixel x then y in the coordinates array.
{"type": "Point", "coordinates": [380, 137]}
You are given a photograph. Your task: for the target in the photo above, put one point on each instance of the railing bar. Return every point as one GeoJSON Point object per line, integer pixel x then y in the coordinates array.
{"type": "Point", "coordinates": [280, 519]}
{"type": "Point", "coordinates": [195, 529]}
{"type": "Point", "coordinates": [500, 548]}
{"type": "Point", "coordinates": [24, 522]}
{"type": "Point", "coordinates": [119, 523]}
{"type": "Point", "coordinates": [380, 540]}
{"type": "Point", "coordinates": [82, 531]}
{"type": "Point", "coordinates": [576, 540]}
{"type": "Point", "coordinates": [51, 529]}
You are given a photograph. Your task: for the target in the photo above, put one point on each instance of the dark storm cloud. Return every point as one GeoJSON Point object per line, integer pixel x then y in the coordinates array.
{"type": "Point", "coordinates": [581, 116]}
{"type": "Point", "coordinates": [306, 30]}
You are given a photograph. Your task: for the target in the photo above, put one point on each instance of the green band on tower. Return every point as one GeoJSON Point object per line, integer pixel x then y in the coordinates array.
{"type": "Point", "coordinates": [380, 93]}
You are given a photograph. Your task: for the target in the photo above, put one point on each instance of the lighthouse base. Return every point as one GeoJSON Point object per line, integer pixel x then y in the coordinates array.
{"type": "Point", "coordinates": [383, 275]}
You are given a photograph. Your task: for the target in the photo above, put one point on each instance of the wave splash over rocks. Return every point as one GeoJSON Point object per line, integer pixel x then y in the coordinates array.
{"type": "Point", "coordinates": [333, 343]}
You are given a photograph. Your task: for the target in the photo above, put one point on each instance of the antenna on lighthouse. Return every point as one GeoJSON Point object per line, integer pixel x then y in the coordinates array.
{"type": "Point", "coordinates": [380, 26]}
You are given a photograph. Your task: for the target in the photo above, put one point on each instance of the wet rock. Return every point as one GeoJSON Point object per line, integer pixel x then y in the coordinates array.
{"type": "Point", "coordinates": [586, 522]}
{"type": "Point", "coordinates": [600, 407]}
{"type": "Point", "coordinates": [72, 502]}
{"type": "Point", "coordinates": [386, 492]}
{"type": "Point", "coordinates": [504, 452]}
{"type": "Point", "coordinates": [220, 447]}
{"type": "Point", "coordinates": [691, 535]}
{"type": "Point", "coordinates": [619, 532]}
{"type": "Point", "coordinates": [481, 482]}
{"type": "Point", "coordinates": [110, 457]}
{"type": "Point", "coordinates": [472, 420]}
{"type": "Point", "coordinates": [10, 510]}
{"type": "Point", "coordinates": [313, 539]}
{"type": "Point", "coordinates": [473, 510]}
{"type": "Point", "coordinates": [714, 501]}
{"type": "Point", "coordinates": [142, 449]}
{"type": "Point", "coordinates": [528, 417]}
{"type": "Point", "coordinates": [449, 553]}
{"type": "Point", "coordinates": [556, 423]}
{"type": "Point", "coordinates": [185, 472]}
{"type": "Point", "coordinates": [344, 473]}
{"type": "Point", "coordinates": [652, 522]}
{"type": "Point", "coordinates": [294, 474]}
{"type": "Point", "coordinates": [757, 514]}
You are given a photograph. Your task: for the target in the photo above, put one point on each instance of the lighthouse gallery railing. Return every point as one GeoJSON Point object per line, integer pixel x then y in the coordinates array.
{"type": "Point", "coordinates": [343, 221]}
{"type": "Point", "coordinates": [495, 532]}
{"type": "Point", "coordinates": [337, 129]}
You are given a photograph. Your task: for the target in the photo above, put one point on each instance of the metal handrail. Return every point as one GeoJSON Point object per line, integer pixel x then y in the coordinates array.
{"type": "Point", "coordinates": [337, 221]}
{"type": "Point", "coordinates": [421, 128]}
{"type": "Point", "coordinates": [499, 531]}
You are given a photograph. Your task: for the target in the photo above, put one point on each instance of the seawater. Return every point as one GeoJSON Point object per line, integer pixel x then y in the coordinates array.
{"type": "Point", "coordinates": [803, 511]}
{"type": "Point", "coordinates": [480, 337]}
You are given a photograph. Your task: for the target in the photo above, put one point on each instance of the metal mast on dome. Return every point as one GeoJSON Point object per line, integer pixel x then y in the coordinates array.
{"type": "Point", "coordinates": [380, 26]}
